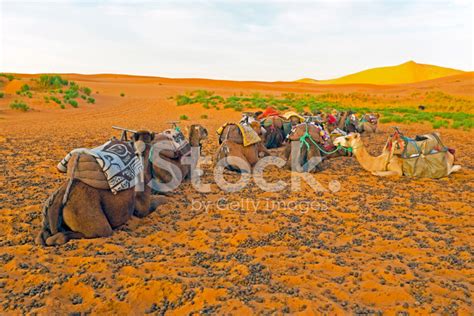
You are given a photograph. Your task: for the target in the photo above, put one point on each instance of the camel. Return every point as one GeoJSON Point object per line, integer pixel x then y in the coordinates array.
{"type": "Point", "coordinates": [197, 134]}
{"type": "Point", "coordinates": [386, 164]}
{"type": "Point", "coordinates": [348, 122]}
{"type": "Point", "coordinates": [369, 122]}
{"type": "Point", "coordinates": [274, 135]}
{"type": "Point", "coordinates": [311, 142]}
{"type": "Point", "coordinates": [89, 212]}
{"type": "Point", "coordinates": [232, 152]}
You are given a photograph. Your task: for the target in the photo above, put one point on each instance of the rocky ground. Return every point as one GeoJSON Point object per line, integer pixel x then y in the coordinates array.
{"type": "Point", "coordinates": [368, 244]}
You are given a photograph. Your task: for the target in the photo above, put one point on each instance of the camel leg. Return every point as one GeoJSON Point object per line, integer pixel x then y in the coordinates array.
{"type": "Point", "coordinates": [386, 173]}
{"type": "Point", "coordinates": [451, 166]}
{"type": "Point", "coordinates": [234, 158]}
{"type": "Point", "coordinates": [62, 238]}
{"type": "Point", "coordinates": [83, 213]}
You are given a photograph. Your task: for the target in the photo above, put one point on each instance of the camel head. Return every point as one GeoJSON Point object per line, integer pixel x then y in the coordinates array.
{"type": "Point", "coordinates": [352, 122]}
{"type": "Point", "coordinates": [372, 118]}
{"type": "Point", "coordinates": [353, 140]}
{"type": "Point", "coordinates": [197, 133]}
{"type": "Point", "coordinates": [395, 143]}
{"type": "Point", "coordinates": [141, 139]}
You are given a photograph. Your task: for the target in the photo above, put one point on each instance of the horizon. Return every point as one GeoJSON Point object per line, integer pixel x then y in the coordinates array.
{"type": "Point", "coordinates": [271, 41]}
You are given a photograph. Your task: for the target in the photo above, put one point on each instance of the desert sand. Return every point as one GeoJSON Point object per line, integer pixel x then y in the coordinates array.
{"type": "Point", "coordinates": [375, 245]}
{"type": "Point", "coordinates": [409, 72]}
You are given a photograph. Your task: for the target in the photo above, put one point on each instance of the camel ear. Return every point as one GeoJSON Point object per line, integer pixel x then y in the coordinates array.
{"type": "Point", "coordinates": [152, 135]}
{"type": "Point", "coordinates": [377, 115]}
{"type": "Point", "coordinates": [356, 135]}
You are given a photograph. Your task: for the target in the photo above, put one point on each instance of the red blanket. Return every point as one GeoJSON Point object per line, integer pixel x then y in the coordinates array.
{"type": "Point", "coordinates": [268, 112]}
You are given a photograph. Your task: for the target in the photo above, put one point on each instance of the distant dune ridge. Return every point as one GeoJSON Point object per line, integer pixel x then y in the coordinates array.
{"type": "Point", "coordinates": [408, 72]}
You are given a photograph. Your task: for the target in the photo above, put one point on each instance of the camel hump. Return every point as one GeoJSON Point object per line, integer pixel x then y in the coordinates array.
{"type": "Point", "coordinates": [85, 168]}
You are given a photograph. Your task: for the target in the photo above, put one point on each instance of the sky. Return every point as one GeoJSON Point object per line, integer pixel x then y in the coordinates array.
{"type": "Point", "coordinates": [239, 40]}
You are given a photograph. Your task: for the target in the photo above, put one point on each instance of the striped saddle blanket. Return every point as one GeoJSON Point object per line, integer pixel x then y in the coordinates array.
{"type": "Point", "coordinates": [114, 166]}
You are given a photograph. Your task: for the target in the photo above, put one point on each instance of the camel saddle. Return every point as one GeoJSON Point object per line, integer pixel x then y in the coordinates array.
{"type": "Point", "coordinates": [424, 157]}
{"type": "Point", "coordinates": [174, 146]}
{"type": "Point", "coordinates": [113, 166]}
{"type": "Point", "coordinates": [249, 136]}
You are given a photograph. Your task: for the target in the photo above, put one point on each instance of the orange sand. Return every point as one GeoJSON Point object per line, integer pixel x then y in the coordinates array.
{"type": "Point", "coordinates": [408, 72]}
{"type": "Point", "coordinates": [391, 245]}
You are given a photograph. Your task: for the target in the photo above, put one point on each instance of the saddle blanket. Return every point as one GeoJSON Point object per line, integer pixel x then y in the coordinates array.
{"type": "Point", "coordinates": [118, 161]}
{"type": "Point", "coordinates": [249, 136]}
{"type": "Point", "coordinates": [177, 142]}
{"type": "Point", "coordinates": [290, 114]}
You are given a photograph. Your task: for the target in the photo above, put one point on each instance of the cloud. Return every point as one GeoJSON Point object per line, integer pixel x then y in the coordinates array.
{"type": "Point", "coordinates": [262, 40]}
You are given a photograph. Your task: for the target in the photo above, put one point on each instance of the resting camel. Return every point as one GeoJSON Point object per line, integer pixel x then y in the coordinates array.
{"type": "Point", "coordinates": [274, 135]}
{"type": "Point", "coordinates": [348, 122]}
{"type": "Point", "coordinates": [90, 212]}
{"type": "Point", "coordinates": [311, 146]}
{"type": "Point", "coordinates": [369, 122]}
{"type": "Point", "coordinates": [232, 151]}
{"type": "Point", "coordinates": [387, 163]}
{"type": "Point", "coordinates": [197, 134]}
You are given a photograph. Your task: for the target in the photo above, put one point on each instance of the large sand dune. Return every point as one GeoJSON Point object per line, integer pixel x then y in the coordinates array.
{"type": "Point", "coordinates": [388, 245]}
{"type": "Point", "coordinates": [408, 72]}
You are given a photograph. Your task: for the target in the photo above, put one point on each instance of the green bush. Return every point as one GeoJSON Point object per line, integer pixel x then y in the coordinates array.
{"type": "Point", "coordinates": [90, 100]}
{"type": "Point", "coordinates": [2, 95]}
{"type": "Point", "coordinates": [25, 88]}
{"type": "Point", "coordinates": [52, 81]}
{"type": "Point", "coordinates": [440, 123]}
{"type": "Point", "coordinates": [8, 76]}
{"type": "Point", "coordinates": [183, 117]}
{"type": "Point", "coordinates": [204, 116]}
{"type": "Point", "coordinates": [83, 97]}
{"type": "Point", "coordinates": [19, 105]}
{"type": "Point", "coordinates": [73, 103]}
{"type": "Point", "coordinates": [55, 99]}
{"type": "Point", "coordinates": [62, 106]}
{"type": "Point", "coordinates": [87, 91]}
{"type": "Point", "coordinates": [122, 94]}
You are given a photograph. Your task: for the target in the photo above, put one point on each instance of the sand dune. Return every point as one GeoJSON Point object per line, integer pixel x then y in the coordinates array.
{"type": "Point", "coordinates": [408, 72]}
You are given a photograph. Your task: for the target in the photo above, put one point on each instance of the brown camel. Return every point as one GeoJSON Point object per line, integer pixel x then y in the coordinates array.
{"type": "Point", "coordinates": [369, 122]}
{"type": "Point", "coordinates": [386, 164]}
{"type": "Point", "coordinates": [305, 146]}
{"type": "Point", "coordinates": [275, 134]}
{"type": "Point", "coordinates": [234, 154]}
{"type": "Point", "coordinates": [348, 122]}
{"type": "Point", "coordinates": [197, 134]}
{"type": "Point", "coordinates": [90, 212]}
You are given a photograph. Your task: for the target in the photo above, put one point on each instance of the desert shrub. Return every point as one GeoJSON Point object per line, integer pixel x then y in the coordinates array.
{"type": "Point", "coordinates": [72, 92]}
{"type": "Point", "coordinates": [87, 91]}
{"type": "Point", "coordinates": [46, 99]}
{"type": "Point", "coordinates": [62, 106]}
{"type": "Point", "coordinates": [19, 105]}
{"type": "Point", "coordinates": [25, 88]}
{"type": "Point", "coordinates": [440, 123]}
{"type": "Point", "coordinates": [90, 100]}
{"type": "Point", "coordinates": [122, 94]}
{"type": "Point", "coordinates": [2, 95]}
{"type": "Point", "coordinates": [10, 77]}
{"type": "Point", "coordinates": [83, 97]}
{"type": "Point", "coordinates": [55, 99]}
{"type": "Point", "coordinates": [204, 117]}
{"type": "Point", "coordinates": [52, 81]}
{"type": "Point", "coordinates": [183, 100]}
{"type": "Point", "coordinates": [73, 103]}
{"type": "Point", "coordinates": [183, 117]}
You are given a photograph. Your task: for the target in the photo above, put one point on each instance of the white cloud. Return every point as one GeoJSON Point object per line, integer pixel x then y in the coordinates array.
{"type": "Point", "coordinates": [257, 41]}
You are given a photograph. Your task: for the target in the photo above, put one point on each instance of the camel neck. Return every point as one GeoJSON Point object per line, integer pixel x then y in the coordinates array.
{"type": "Point", "coordinates": [367, 161]}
